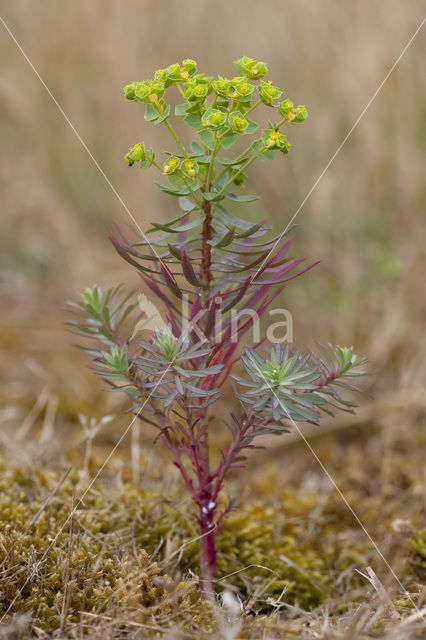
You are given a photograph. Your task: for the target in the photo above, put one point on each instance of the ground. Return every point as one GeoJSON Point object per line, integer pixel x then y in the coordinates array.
{"type": "Point", "coordinates": [115, 554]}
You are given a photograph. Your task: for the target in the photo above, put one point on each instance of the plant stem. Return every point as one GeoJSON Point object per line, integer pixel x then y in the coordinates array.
{"type": "Point", "coordinates": [175, 137]}
{"type": "Point", "coordinates": [211, 165]}
{"type": "Point", "coordinates": [207, 553]}
{"type": "Point", "coordinates": [236, 160]}
{"type": "Point", "coordinates": [256, 104]}
{"type": "Point", "coordinates": [181, 91]}
{"type": "Point", "coordinates": [204, 498]}
{"type": "Point", "coordinates": [277, 126]}
{"type": "Point", "coordinates": [193, 194]}
{"type": "Point", "coordinates": [207, 235]}
{"type": "Point", "coordinates": [231, 179]}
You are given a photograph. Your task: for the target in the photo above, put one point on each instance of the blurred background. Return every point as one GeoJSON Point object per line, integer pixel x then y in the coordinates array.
{"type": "Point", "coordinates": [364, 220]}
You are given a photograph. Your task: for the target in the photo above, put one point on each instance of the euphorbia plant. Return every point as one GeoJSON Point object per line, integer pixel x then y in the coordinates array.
{"type": "Point", "coordinates": [221, 266]}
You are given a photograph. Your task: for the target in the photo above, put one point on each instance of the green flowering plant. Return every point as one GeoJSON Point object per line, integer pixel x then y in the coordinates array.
{"type": "Point", "coordinates": [221, 265]}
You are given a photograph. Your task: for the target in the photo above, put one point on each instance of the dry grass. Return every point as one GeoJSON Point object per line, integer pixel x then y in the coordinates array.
{"type": "Point", "coordinates": [364, 221]}
{"type": "Point", "coordinates": [293, 561]}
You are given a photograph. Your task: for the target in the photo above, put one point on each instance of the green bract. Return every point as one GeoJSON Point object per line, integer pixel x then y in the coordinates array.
{"type": "Point", "coordinates": [129, 90]}
{"type": "Point", "coordinates": [190, 66]}
{"type": "Point", "coordinates": [213, 118]}
{"type": "Point", "coordinates": [190, 168]}
{"type": "Point", "coordinates": [171, 165]}
{"type": "Point", "coordinates": [142, 90]}
{"type": "Point", "coordinates": [272, 139]}
{"type": "Point", "coordinates": [251, 68]}
{"type": "Point", "coordinates": [285, 107]}
{"type": "Point", "coordinates": [238, 122]}
{"type": "Point", "coordinates": [221, 87]}
{"type": "Point", "coordinates": [300, 114]}
{"type": "Point", "coordinates": [241, 91]}
{"type": "Point", "coordinates": [239, 178]}
{"type": "Point", "coordinates": [196, 91]}
{"type": "Point", "coordinates": [135, 154]}
{"type": "Point", "coordinates": [268, 93]}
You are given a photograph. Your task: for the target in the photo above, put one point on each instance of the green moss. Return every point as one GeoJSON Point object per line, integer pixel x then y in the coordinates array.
{"type": "Point", "coordinates": [282, 547]}
{"type": "Point", "coordinates": [276, 554]}
{"type": "Point", "coordinates": [113, 533]}
{"type": "Point", "coordinates": [418, 558]}
{"type": "Point", "coordinates": [91, 560]}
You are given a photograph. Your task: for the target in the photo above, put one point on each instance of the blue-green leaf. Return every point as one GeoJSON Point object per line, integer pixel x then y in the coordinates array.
{"type": "Point", "coordinates": [208, 138]}
{"type": "Point", "coordinates": [173, 192]}
{"type": "Point", "coordinates": [181, 109]}
{"type": "Point", "coordinates": [196, 148]}
{"type": "Point", "coordinates": [193, 120]}
{"type": "Point", "coordinates": [228, 140]}
{"type": "Point", "coordinates": [229, 218]}
{"type": "Point", "coordinates": [212, 196]}
{"type": "Point", "coordinates": [236, 198]}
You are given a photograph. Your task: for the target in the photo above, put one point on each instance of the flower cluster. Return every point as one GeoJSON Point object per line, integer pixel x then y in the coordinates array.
{"type": "Point", "coordinates": [186, 168]}
{"type": "Point", "coordinates": [237, 89]}
{"type": "Point", "coordinates": [216, 108]}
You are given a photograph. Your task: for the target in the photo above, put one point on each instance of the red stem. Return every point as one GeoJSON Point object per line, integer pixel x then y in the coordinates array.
{"type": "Point", "coordinates": [208, 551]}
{"type": "Point", "coordinates": [205, 492]}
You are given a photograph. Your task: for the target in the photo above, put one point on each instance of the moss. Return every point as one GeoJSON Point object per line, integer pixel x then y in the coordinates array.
{"type": "Point", "coordinates": [92, 561]}
{"type": "Point", "coordinates": [112, 534]}
{"type": "Point", "coordinates": [278, 544]}
{"type": "Point", "coordinates": [418, 557]}
{"type": "Point", "coordinates": [286, 546]}
{"type": "Point", "coordinates": [276, 554]}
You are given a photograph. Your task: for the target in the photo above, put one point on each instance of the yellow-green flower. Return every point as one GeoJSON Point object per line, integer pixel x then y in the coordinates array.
{"type": "Point", "coordinates": [196, 91]}
{"type": "Point", "coordinates": [161, 74]}
{"type": "Point", "coordinates": [236, 89]}
{"type": "Point", "coordinates": [135, 154]}
{"type": "Point", "coordinates": [190, 168]}
{"type": "Point", "coordinates": [129, 90]}
{"type": "Point", "coordinates": [173, 71]}
{"type": "Point", "coordinates": [251, 68]}
{"type": "Point", "coordinates": [291, 113]}
{"type": "Point", "coordinates": [268, 93]}
{"type": "Point", "coordinates": [150, 92]}
{"type": "Point", "coordinates": [237, 122]}
{"type": "Point", "coordinates": [241, 91]}
{"type": "Point", "coordinates": [142, 90]}
{"type": "Point", "coordinates": [171, 165]}
{"type": "Point", "coordinates": [189, 68]}
{"type": "Point", "coordinates": [300, 114]}
{"type": "Point", "coordinates": [273, 139]}
{"type": "Point", "coordinates": [221, 87]}
{"type": "Point", "coordinates": [156, 88]}
{"type": "Point", "coordinates": [213, 118]}
{"type": "Point", "coordinates": [285, 107]}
